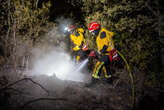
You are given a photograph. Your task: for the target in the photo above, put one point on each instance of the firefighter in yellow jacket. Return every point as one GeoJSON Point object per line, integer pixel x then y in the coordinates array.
{"type": "Point", "coordinates": [78, 41]}
{"type": "Point", "coordinates": [106, 51]}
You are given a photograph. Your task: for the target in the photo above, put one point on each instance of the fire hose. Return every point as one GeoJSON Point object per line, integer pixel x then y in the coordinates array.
{"type": "Point", "coordinates": [131, 78]}
{"type": "Point", "coordinates": [92, 54]}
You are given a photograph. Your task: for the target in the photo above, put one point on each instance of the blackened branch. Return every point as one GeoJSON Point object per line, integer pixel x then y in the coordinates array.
{"type": "Point", "coordinates": [41, 99]}
{"type": "Point", "coordinates": [24, 79]}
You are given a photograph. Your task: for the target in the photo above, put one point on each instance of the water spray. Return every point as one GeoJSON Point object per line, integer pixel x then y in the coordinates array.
{"type": "Point", "coordinates": [57, 63]}
{"type": "Point", "coordinates": [82, 65]}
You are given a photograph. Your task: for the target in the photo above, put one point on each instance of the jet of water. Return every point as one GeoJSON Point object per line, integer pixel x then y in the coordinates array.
{"type": "Point", "coordinates": [82, 64]}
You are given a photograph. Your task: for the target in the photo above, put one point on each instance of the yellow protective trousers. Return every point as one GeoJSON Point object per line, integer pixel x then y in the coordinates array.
{"type": "Point", "coordinates": [78, 56]}
{"type": "Point", "coordinates": [97, 70]}
{"type": "Point", "coordinates": [77, 59]}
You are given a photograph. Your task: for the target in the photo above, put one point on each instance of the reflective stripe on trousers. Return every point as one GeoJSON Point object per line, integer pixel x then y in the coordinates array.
{"type": "Point", "coordinates": [77, 59]}
{"type": "Point", "coordinates": [96, 72]}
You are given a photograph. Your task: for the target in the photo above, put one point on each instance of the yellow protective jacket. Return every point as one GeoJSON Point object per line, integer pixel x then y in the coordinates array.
{"type": "Point", "coordinates": [104, 41]}
{"type": "Point", "coordinates": [78, 39]}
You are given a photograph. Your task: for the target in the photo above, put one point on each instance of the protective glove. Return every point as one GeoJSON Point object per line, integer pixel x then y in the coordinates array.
{"type": "Point", "coordinates": [114, 55]}
{"type": "Point", "coordinates": [92, 54]}
{"type": "Point", "coordinates": [84, 48]}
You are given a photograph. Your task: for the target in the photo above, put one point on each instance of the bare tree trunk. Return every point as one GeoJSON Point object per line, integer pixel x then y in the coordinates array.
{"type": "Point", "coordinates": [27, 63]}
{"type": "Point", "coordinates": [14, 46]}
{"type": "Point", "coordinates": [9, 29]}
{"type": "Point", "coordinates": [23, 61]}
{"type": "Point", "coordinates": [8, 19]}
{"type": "Point", "coordinates": [36, 4]}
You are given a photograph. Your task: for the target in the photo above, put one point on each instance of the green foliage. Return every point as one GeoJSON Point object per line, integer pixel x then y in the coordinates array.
{"type": "Point", "coordinates": [21, 22]}
{"type": "Point", "coordinates": [30, 19]}
{"type": "Point", "coordinates": [132, 22]}
{"type": "Point", "coordinates": [3, 16]}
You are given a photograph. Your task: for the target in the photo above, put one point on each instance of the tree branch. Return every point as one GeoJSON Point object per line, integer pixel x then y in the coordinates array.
{"type": "Point", "coordinates": [36, 4]}
{"type": "Point", "coordinates": [24, 79]}
{"type": "Point", "coordinates": [150, 8]}
{"type": "Point", "coordinates": [41, 99]}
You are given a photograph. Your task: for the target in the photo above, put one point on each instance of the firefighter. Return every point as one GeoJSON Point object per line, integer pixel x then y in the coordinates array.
{"type": "Point", "coordinates": [105, 52]}
{"type": "Point", "coordinates": [77, 38]}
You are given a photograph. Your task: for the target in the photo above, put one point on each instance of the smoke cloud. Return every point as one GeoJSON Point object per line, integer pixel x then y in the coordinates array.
{"type": "Point", "coordinates": [54, 60]}
{"type": "Point", "coordinates": [63, 23]}
{"type": "Point", "coordinates": [56, 63]}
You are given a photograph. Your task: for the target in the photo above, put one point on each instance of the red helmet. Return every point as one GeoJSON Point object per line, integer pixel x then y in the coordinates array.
{"type": "Point", "coordinates": [93, 26]}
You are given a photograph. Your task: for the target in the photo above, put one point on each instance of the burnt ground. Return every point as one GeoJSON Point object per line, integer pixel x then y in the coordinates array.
{"type": "Point", "coordinates": [50, 93]}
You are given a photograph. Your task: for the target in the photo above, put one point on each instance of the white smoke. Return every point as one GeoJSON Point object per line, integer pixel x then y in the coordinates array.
{"type": "Point", "coordinates": [55, 61]}
{"type": "Point", "coordinates": [63, 23]}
